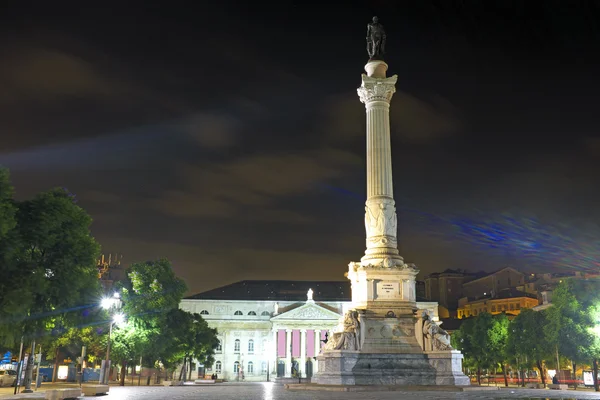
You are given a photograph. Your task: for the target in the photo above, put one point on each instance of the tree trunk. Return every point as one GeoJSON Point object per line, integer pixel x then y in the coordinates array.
{"type": "Point", "coordinates": [182, 371]}
{"type": "Point", "coordinates": [479, 376]}
{"type": "Point", "coordinates": [123, 373]}
{"type": "Point", "coordinates": [190, 371]}
{"type": "Point", "coordinates": [503, 366]}
{"type": "Point", "coordinates": [574, 375]}
{"type": "Point", "coordinates": [596, 375]}
{"type": "Point", "coordinates": [522, 378]}
{"type": "Point", "coordinates": [55, 371]}
{"type": "Point", "coordinates": [542, 375]}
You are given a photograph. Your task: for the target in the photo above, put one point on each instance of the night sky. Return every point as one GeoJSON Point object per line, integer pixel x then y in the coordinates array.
{"type": "Point", "coordinates": [228, 136]}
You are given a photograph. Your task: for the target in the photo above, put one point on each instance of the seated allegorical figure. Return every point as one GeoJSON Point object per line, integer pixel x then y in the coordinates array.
{"type": "Point", "coordinates": [349, 338]}
{"type": "Point", "coordinates": [437, 338]}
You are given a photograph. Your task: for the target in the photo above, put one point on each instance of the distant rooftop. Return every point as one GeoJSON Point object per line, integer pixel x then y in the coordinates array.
{"type": "Point", "coordinates": [280, 291]}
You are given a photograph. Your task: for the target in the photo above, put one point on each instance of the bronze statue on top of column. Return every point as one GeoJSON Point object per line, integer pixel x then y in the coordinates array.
{"type": "Point", "coordinates": [375, 40]}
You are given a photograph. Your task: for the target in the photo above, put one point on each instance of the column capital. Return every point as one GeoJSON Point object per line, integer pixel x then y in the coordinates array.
{"type": "Point", "coordinates": [288, 330]}
{"type": "Point", "coordinates": [302, 330]}
{"type": "Point", "coordinates": [377, 89]}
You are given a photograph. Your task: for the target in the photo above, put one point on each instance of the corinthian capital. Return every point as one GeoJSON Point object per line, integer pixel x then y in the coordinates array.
{"type": "Point", "coordinates": [377, 89]}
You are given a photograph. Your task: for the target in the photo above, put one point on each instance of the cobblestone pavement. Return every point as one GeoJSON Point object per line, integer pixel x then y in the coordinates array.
{"type": "Point", "coordinates": [269, 391]}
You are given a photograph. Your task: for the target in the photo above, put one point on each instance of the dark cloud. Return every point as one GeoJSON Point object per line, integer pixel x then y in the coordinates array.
{"type": "Point", "coordinates": [234, 144]}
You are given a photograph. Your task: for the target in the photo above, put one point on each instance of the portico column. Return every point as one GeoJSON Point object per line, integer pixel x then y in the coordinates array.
{"type": "Point", "coordinates": [317, 350]}
{"type": "Point", "coordinates": [275, 353]}
{"type": "Point", "coordinates": [288, 353]}
{"type": "Point", "coordinates": [302, 366]}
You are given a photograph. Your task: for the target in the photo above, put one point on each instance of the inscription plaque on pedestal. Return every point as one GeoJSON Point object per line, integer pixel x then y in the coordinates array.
{"type": "Point", "coordinates": [388, 290]}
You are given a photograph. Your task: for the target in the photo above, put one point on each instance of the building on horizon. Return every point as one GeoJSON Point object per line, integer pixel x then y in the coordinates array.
{"type": "Point", "coordinates": [110, 270]}
{"type": "Point", "coordinates": [270, 329]}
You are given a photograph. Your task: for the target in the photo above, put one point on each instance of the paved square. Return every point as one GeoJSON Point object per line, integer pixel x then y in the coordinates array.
{"type": "Point", "coordinates": [269, 391]}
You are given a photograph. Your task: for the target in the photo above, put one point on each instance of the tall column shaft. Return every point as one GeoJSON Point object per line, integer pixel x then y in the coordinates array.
{"type": "Point", "coordinates": [288, 353]}
{"type": "Point", "coordinates": [302, 366]}
{"type": "Point", "coordinates": [317, 350]}
{"type": "Point", "coordinates": [376, 93]}
{"type": "Point", "coordinates": [275, 352]}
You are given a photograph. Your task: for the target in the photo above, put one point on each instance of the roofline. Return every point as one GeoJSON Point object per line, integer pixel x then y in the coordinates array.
{"type": "Point", "coordinates": [493, 273]}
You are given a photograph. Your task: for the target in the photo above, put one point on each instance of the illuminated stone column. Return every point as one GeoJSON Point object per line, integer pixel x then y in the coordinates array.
{"type": "Point", "coordinates": [381, 281]}
{"type": "Point", "coordinates": [317, 350]}
{"type": "Point", "coordinates": [376, 93]}
{"type": "Point", "coordinates": [288, 353]}
{"type": "Point", "coordinates": [274, 354]}
{"type": "Point", "coordinates": [302, 366]}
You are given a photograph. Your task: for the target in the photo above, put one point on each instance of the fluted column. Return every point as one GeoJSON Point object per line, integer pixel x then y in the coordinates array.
{"type": "Point", "coordinates": [376, 93]}
{"type": "Point", "coordinates": [288, 353]}
{"type": "Point", "coordinates": [317, 350]}
{"type": "Point", "coordinates": [302, 366]}
{"type": "Point", "coordinates": [274, 355]}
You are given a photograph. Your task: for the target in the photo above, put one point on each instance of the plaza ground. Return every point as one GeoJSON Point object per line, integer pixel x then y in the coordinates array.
{"type": "Point", "coordinates": [270, 391]}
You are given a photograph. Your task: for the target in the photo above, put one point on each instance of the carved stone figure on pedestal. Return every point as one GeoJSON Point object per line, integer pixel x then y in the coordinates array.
{"type": "Point", "coordinates": [349, 338]}
{"type": "Point", "coordinates": [436, 338]}
{"type": "Point", "coordinates": [375, 40]}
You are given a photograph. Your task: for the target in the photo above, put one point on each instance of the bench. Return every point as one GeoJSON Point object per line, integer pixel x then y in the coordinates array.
{"type": "Point", "coordinates": [173, 383]}
{"type": "Point", "coordinates": [558, 387]}
{"type": "Point", "coordinates": [62, 394]}
{"type": "Point", "coordinates": [204, 381]}
{"type": "Point", "coordinates": [95, 390]}
{"type": "Point", "coordinates": [534, 386]}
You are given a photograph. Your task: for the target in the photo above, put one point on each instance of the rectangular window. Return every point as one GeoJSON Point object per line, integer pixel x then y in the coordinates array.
{"type": "Point", "coordinates": [493, 308]}
{"type": "Point", "coordinates": [518, 306]}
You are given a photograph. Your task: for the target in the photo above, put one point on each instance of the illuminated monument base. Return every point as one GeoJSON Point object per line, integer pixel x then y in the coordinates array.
{"type": "Point", "coordinates": [384, 339]}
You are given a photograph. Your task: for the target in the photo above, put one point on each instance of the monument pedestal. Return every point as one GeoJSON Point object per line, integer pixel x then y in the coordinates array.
{"type": "Point", "coordinates": [343, 367]}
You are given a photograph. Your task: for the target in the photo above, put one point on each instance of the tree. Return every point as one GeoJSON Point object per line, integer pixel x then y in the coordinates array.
{"type": "Point", "coordinates": [482, 340]}
{"type": "Point", "coordinates": [498, 338]}
{"type": "Point", "coordinates": [527, 341]}
{"type": "Point", "coordinates": [150, 292]}
{"type": "Point", "coordinates": [49, 263]}
{"type": "Point", "coordinates": [151, 289]}
{"type": "Point", "coordinates": [188, 337]}
{"type": "Point", "coordinates": [570, 324]}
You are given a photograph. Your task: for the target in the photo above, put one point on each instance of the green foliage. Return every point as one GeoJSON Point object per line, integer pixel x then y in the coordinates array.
{"type": "Point", "coordinates": [151, 289]}
{"type": "Point", "coordinates": [526, 339]}
{"type": "Point", "coordinates": [482, 340]}
{"type": "Point", "coordinates": [48, 260]}
{"type": "Point", "coordinates": [569, 320]}
{"type": "Point", "coordinates": [158, 330]}
{"type": "Point", "coordinates": [187, 335]}
{"type": "Point", "coordinates": [69, 344]}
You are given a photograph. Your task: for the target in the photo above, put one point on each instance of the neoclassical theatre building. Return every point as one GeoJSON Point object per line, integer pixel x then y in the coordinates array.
{"type": "Point", "coordinates": [270, 329]}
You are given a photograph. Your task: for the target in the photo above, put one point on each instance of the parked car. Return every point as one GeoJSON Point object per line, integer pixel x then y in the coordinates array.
{"type": "Point", "coordinates": [8, 377]}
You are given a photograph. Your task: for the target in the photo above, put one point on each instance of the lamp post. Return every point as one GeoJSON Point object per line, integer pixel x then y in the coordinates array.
{"type": "Point", "coordinates": [111, 303]}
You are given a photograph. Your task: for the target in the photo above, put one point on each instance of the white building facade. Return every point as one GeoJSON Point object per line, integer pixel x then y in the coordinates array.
{"type": "Point", "coordinates": [270, 329]}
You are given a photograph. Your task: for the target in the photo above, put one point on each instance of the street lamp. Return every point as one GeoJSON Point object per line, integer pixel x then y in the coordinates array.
{"type": "Point", "coordinates": [111, 303]}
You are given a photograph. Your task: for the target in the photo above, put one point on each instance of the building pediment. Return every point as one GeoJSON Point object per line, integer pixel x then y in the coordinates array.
{"type": "Point", "coordinates": [307, 312]}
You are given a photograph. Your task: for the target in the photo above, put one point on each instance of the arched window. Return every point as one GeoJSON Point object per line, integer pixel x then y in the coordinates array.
{"type": "Point", "coordinates": [236, 367]}
{"type": "Point", "coordinates": [265, 313]}
{"type": "Point", "coordinates": [251, 313]}
{"type": "Point", "coordinates": [250, 367]}
{"type": "Point", "coordinates": [238, 312]}
{"type": "Point", "coordinates": [250, 346]}
{"type": "Point", "coordinates": [236, 346]}
{"type": "Point", "coordinates": [218, 367]}
{"type": "Point", "coordinates": [264, 367]}
{"type": "Point", "coordinates": [204, 312]}
{"type": "Point", "coordinates": [219, 347]}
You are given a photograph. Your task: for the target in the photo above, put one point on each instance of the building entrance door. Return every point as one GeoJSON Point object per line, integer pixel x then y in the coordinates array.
{"type": "Point", "coordinates": [309, 368]}
{"type": "Point", "coordinates": [280, 369]}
